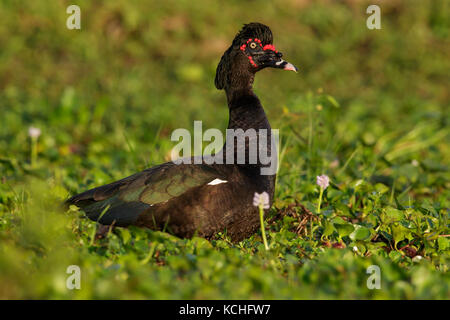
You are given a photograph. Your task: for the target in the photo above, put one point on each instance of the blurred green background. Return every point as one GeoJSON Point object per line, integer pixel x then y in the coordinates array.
{"type": "Point", "coordinates": [370, 108]}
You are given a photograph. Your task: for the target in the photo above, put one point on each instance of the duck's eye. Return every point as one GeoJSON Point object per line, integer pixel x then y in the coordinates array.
{"type": "Point", "coordinates": [253, 45]}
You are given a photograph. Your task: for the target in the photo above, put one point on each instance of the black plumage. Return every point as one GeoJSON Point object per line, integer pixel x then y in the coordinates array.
{"type": "Point", "coordinates": [182, 197]}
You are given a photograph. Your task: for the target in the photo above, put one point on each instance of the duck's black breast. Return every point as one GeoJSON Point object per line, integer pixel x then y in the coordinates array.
{"type": "Point", "coordinates": [222, 205]}
{"type": "Point", "coordinates": [185, 199]}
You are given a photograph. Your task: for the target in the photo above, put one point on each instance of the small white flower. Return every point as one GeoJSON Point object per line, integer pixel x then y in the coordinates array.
{"type": "Point", "coordinates": [415, 163]}
{"type": "Point", "coordinates": [355, 248]}
{"type": "Point", "coordinates": [417, 258]}
{"type": "Point", "coordinates": [34, 132]}
{"type": "Point", "coordinates": [323, 181]}
{"type": "Point", "coordinates": [261, 200]}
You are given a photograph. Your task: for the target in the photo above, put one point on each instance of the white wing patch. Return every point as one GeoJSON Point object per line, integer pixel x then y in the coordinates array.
{"type": "Point", "coordinates": [217, 181]}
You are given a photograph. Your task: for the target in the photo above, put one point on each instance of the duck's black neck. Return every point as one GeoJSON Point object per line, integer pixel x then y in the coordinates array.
{"type": "Point", "coordinates": [246, 111]}
{"type": "Point", "coordinates": [239, 85]}
{"type": "Point", "coordinates": [247, 118]}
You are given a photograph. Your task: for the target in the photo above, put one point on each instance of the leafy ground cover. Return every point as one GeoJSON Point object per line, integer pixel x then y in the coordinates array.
{"type": "Point", "coordinates": [369, 109]}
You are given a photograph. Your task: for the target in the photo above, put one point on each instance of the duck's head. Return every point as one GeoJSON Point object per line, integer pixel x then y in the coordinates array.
{"type": "Point", "coordinates": [252, 50]}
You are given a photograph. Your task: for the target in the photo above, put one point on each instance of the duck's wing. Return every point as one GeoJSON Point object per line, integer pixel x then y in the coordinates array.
{"type": "Point", "coordinates": [123, 201]}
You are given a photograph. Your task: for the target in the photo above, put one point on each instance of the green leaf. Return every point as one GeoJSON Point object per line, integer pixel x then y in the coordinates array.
{"type": "Point", "coordinates": [443, 243]}
{"type": "Point", "coordinates": [125, 234]}
{"type": "Point", "coordinates": [360, 233]}
{"type": "Point", "coordinates": [344, 229]}
{"type": "Point", "coordinates": [333, 101]}
{"type": "Point", "coordinates": [339, 220]}
{"type": "Point", "coordinates": [328, 229]}
{"type": "Point", "coordinates": [381, 188]}
{"type": "Point", "coordinates": [392, 215]}
{"type": "Point", "coordinates": [395, 255]}
{"type": "Point", "coordinates": [400, 233]}
{"type": "Point", "coordinates": [201, 242]}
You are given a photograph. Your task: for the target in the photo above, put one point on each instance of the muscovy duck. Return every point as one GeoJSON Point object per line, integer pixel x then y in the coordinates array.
{"type": "Point", "coordinates": [203, 198]}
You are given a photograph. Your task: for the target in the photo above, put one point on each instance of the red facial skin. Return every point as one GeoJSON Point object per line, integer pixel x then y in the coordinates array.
{"type": "Point", "coordinates": [266, 47]}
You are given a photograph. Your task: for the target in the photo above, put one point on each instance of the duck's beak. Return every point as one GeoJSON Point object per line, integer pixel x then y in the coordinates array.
{"type": "Point", "coordinates": [272, 58]}
{"type": "Point", "coordinates": [282, 64]}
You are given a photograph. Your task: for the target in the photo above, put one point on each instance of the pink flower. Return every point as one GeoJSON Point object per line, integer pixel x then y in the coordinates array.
{"type": "Point", "coordinates": [323, 181]}
{"type": "Point", "coordinates": [261, 200]}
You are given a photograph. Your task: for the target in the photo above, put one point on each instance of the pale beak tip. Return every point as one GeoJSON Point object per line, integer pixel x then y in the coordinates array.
{"type": "Point", "coordinates": [290, 67]}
